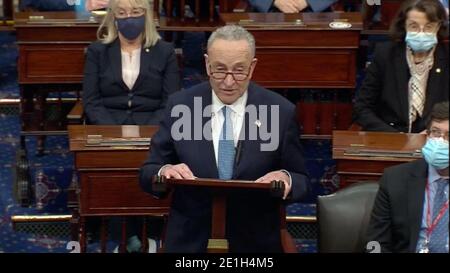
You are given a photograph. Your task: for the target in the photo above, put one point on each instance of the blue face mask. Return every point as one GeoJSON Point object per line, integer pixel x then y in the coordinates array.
{"type": "Point", "coordinates": [420, 41]}
{"type": "Point", "coordinates": [435, 152]}
{"type": "Point", "coordinates": [131, 27]}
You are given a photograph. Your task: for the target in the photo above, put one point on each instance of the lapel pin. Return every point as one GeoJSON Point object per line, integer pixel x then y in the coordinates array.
{"type": "Point", "coordinates": [438, 70]}
{"type": "Point", "coordinates": [147, 50]}
{"type": "Point", "coordinates": [258, 123]}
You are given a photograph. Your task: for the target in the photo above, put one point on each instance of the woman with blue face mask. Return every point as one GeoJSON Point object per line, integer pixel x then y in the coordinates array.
{"type": "Point", "coordinates": [130, 71]}
{"type": "Point", "coordinates": [129, 74]}
{"type": "Point", "coordinates": [408, 74]}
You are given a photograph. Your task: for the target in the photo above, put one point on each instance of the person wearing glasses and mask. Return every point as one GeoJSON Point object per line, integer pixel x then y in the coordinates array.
{"type": "Point", "coordinates": [130, 71]}
{"type": "Point", "coordinates": [410, 213]}
{"type": "Point", "coordinates": [221, 138]}
{"type": "Point", "coordinates": [129, 74]}
{"type": "Point", "coordinates": [409, 74]}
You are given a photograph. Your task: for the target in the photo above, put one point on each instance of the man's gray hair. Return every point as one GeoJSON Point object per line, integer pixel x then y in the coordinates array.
{"type": "Point", "coordinates": [233, 33]}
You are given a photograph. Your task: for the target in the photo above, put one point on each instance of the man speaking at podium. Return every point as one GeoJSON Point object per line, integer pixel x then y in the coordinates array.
{"type": "Point", "coordinates": [220, 129]}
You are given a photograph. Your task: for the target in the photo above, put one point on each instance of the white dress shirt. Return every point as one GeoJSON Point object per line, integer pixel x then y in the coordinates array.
{"type": "Point", "coordinates": [217, 119]}
{"type": "Point", "coordinates": [131, 63]}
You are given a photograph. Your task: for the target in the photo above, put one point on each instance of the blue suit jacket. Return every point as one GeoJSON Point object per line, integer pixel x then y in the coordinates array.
{"type": "Point", "coordinates": [253, 219]}
{"type": "Point", "coordinates": [51, 5]}
{"type": "Point", "coordinates": [314, 5]}
{"type": "Point", "coordinates": [106, 97]}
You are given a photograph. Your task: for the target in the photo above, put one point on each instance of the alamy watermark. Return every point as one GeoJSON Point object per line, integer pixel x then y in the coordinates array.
{"type": "Point", "coordinates": [373, 2]}
{"type": "Point", "coordinates": [73, 2]}
{"type": "Point", "coordinates": [264, 124]}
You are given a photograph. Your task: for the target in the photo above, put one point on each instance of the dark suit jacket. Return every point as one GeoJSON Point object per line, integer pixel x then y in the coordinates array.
{"type": "Point", "coordinates": [382, 102]}
{"type": "Point", "coordinates": [253, 219]}
{"type": "Point", "coordinates": [51, 5]}
{"type": "Point", "coordinates": [314, 5]}
{"type": "Point", "coordinates": [106, 96]}
{"type": "Point", "coordinates": [398, 207]}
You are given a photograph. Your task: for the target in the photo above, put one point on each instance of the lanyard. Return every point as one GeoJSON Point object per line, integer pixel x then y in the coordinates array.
{"type": "Point", "coordinates": [432, 225]}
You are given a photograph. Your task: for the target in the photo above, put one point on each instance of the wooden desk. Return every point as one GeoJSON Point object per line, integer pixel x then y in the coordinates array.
{"type": "Point", "coordinates": [302, 50]}
{"type": "Point", "coordinates": [397, 148]}
{"type": "Point", "coordinates": [108, 176]}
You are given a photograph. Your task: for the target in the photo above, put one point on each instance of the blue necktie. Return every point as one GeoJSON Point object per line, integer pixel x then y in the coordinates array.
{"type": "Point", "coordinates": [439, 236]}
{"type": "Point", "coordinates": [226, 147]}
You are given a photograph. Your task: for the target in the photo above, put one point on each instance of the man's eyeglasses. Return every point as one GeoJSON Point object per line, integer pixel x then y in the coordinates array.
{"type": "Point", "coordinates": [436, 133]}
{"type": "Point", "coordinates": [136, 12]}
{"type": "Point", "coordinates": [221, 75]}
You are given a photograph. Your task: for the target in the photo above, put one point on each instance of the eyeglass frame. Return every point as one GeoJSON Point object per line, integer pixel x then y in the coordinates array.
{"type": "Point", "coordinates": [229, 73]}
{"type": "Point", "coordinates": [422, 29]}
{"type": "Point", "coordinates": [128, 14]}
{"type": "Point", "coordinates": [433, 134]}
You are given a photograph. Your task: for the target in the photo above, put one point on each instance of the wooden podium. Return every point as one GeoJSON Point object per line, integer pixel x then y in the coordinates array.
{"type": "Point", "coordinates": [220, 189]}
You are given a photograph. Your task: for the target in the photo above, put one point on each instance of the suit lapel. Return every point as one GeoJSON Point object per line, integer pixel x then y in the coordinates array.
{"type": "Point", "coordinates": [206, 147]}
{"type": "Point", "coordinates": [145, 62]}
{"type": "Point", "coordinates": [434, 78]}
{"type": "Point", "coordinates": [115, 57]}
{"type": "Point", "coordinates": [244, 135]}
{"type": "Point", "coordinates": [416, 190]}
{"type": "Point", "coordinates": [401, 69]}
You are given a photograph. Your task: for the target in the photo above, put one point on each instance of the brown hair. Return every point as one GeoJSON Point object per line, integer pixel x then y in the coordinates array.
{"type": "Point", "coordinates": [438, 113]}
{"type": "Point", "coordinates": [434, 10]}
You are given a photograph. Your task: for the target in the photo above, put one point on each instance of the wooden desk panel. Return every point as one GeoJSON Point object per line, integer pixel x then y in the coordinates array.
{"type": "Point", "coordinates": [55, 64]}
{"type": "Point", "coordinates": [356, 168]}
{"type": "Point", "coordinates": [109, 175]}
{"type": "Point", "coordinates": [108, 182]}
{"type": "Point", "coordinates": [305, 68]}
{"type": "Point", "coordinates": [106, 193]}
{"type": "Point", "coordinates": [311, 54]}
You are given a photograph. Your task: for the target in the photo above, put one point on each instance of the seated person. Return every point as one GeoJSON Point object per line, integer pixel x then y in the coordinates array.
{"type": "Point", "coordinates": [62, 5]}
{"type": "Point", "coordinates": [128, 76]}
{"type": "Point", "coordinates": [130, 72]}
{"type": "Point", "coordinates": [408, 74]}
{"type": "Point", "coordinates": [410, 213]}
{"type": "Point", "coordinates": [291, 6]}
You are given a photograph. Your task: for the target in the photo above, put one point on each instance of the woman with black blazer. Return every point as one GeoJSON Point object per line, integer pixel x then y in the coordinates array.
{"type": "Point", "coordinates": [128, 75]}
{"type": "Point", "coordinates": [409, 74]}
{"type": "Point", "coordinates": [130, 71]}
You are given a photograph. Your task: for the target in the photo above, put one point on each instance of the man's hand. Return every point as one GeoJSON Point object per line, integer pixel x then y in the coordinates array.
{"type": "Point", "coordinates": [276, 175]}
{"type": "Point", "coordinates": [286, 6]}
{"type": "Point", "coordinates": [179, 171]}
{"type": "Point", "coordinates": [301, 4]}
{"type": "Point", "coordinates": [290, 6]}
{"type": "Point", "coordinates": [96, 4]}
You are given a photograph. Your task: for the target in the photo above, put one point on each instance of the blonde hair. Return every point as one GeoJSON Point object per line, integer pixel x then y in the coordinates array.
{"type": "Point", "coordinates": [150, 35]}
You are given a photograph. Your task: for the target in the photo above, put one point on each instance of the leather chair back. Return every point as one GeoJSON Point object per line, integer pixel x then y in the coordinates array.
{"type": "Point", "coordinates": [343, 218]}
